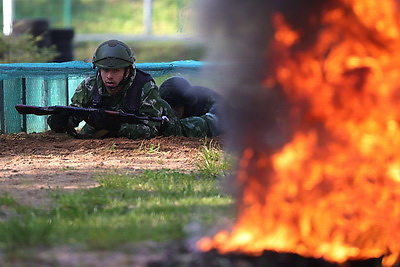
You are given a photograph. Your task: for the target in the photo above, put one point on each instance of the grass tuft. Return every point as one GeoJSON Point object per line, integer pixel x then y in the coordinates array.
{"type": "Point", "coordinates": [212, 161]}
{"type": "Point", "coordinates": [7, 200]}
{"type": "Point", "coordinates": [151, 148]}
{"type": "Point", "coordinates": [27, 229]}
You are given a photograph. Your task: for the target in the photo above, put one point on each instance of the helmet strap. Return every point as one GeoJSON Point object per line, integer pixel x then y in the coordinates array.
{"type": "Point", "coordinates": [126, 75]}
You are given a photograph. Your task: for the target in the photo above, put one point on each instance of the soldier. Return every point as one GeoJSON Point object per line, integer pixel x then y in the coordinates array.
{"type": "Point", "coordinates": [187, 100]}
{"type": "Point", "coordinates": [118, 85]}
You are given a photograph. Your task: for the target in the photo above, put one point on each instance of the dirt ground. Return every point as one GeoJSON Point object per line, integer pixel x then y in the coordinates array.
{"type": "Point", "coordinates": [30, 164]}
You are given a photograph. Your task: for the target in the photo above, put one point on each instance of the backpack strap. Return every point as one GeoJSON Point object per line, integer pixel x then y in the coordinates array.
{"type": "Point", "coordinates": [96, 97]}
{"type": "Point", "coordinates": [133, 95]}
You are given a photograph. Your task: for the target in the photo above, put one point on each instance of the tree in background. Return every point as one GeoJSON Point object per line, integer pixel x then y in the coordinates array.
{"type": "Point", "coordinates": [109, 16]}
{"type": "Point", "coordinates": [24, 48]}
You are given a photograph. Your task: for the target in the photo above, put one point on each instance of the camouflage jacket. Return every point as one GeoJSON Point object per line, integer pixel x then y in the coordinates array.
{"type": "Point", "coordinates": [150, 105]}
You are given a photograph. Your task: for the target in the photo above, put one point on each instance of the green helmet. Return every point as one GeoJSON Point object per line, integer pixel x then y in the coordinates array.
{"type": "Point", "coordinates": [113, 54]}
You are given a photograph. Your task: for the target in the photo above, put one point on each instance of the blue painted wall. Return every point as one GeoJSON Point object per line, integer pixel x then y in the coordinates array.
{"type": "Point", "coordinates": [49, 84]}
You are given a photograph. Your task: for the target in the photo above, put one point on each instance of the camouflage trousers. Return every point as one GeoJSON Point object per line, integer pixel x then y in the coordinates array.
{"type": "Point", "coordinates": [197, 126]}
{"type": "Point", "coordinates": [202, 126]}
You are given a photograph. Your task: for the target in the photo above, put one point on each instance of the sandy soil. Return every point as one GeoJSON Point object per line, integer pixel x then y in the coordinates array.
{"type": "Point", "coordinates": [32, 163]}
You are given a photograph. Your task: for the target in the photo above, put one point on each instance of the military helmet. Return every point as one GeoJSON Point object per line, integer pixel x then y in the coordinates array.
{"type": "Point", "coordinates": [177, 91]}
{"type": "Point", "coordinates": [113, 54]}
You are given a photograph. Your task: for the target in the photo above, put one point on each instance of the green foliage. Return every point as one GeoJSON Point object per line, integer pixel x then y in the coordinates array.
{"type": "Point", "coordinates": [165, 51]}
{"type": "Point", "coordinates": [24, 48]}
{"type": "Point", "coordinates": [125, 17]}
{"type": "Point", "coordinates": [149, 51]}
{"type": "Point", "coordinates": [108, 16]}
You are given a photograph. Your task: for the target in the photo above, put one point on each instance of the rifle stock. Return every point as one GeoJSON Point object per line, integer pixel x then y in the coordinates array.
{"type": "Point", "coordinates": [84, 112]}
{"type": "Point", "coordinates": [36, 110]}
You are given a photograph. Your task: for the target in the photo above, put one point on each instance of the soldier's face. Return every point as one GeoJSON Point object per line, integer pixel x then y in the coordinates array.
{"type": "Point", "coordinates": [112, 79]}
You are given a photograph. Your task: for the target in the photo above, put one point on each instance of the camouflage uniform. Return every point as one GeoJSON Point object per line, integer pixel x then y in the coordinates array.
{"type": "Point", "coordinates": [151, 105]}
{"type": "Point", "coordinates": [201, 126]}
{"type": "Point", "coordinates": [195, 100]}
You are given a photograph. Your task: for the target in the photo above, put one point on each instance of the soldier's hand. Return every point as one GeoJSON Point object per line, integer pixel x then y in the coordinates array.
{"type": "Point", "coordinates": [59, 122]}
{"type": "Point", "coordinates": [99, 120]}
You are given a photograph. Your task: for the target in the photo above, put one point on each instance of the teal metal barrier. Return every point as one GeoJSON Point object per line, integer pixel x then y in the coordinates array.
{"type": "Point", "coordinates": [48, 84]}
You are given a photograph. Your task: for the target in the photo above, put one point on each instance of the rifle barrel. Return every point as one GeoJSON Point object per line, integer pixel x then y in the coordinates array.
{"type": "Point", "coordinates": [38, 110]}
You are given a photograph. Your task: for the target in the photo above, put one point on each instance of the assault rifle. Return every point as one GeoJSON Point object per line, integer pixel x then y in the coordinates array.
{"type": "Point", "coordinates": [83, 113]}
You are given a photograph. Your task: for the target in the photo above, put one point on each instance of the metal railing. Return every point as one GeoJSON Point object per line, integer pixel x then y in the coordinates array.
{"type": "Point", "coordinates": [48, 84]}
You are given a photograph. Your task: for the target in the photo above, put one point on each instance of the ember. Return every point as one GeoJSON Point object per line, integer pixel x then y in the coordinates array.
{"type": "Point", "coordinates": [313, 113]}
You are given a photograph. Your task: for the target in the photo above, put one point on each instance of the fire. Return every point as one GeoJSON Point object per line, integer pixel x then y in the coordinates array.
{"type": "Point", "coordinates": [333, 191]}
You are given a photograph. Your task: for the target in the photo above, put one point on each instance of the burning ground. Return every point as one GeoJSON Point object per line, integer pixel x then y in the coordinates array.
{"type": "Point", "coordinates": [313, 112]}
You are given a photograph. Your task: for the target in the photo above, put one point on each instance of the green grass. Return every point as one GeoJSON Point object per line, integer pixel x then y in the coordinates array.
{"type": "Point", "coordinates": [213, 162]}
{"type": "Point", "coordinates": [154, 205]}
{"type": "Point", "coordinates": [124, 208]}
{"type": "Point", "coordinates": [7, 200]}
{"type": "Point", "coordinates": [151, 148]}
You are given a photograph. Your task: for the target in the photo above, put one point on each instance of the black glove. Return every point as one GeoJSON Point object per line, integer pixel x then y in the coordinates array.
{"type": "Point", "coordinates": [99, 120]}
{"type": "Point", "coordinates": [59, 122]}
{"type": "Point", "coordinates": [63, 122]}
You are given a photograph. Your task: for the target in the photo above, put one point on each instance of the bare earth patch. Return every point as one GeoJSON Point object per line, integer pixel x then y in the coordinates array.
{"type": "Point", "coordinates": [31, 164]}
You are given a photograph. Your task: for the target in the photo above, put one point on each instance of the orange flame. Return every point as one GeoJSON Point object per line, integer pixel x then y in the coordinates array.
{"type": "Point", "coordinates": [334, 190]}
